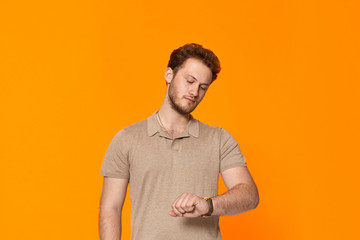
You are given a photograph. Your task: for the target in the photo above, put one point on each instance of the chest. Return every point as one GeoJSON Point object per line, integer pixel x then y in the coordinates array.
{"type": "Point", "coordinates": [176, 162]}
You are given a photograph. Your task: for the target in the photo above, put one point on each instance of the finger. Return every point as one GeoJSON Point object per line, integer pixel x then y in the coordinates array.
{"type": "Point", "coordinates": [189, 203]}
{"type": "Point", "coordinates": [185, 203]}
{"type": "Point", "coordinates": [177, 205]}
{"type": "Point", "coordinates": [172, 213]}
{"type": "Point", "coordinates": [189, 208]}
{"type": "Point", "coordinates": [191, 215]}
{"type": "Point", "coordinates": [176, 212]}
{"type": "Point", "coordinates": [197, 211]}
{"type": "Point", "coordinates": [175, 208]}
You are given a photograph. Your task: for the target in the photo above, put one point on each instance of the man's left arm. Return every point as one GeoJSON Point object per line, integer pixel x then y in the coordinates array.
{"type": "Point", "coordinates": [242, 195]}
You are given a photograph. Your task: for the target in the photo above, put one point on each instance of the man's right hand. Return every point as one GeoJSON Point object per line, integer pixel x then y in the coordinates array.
{"type": "Point", "coordinates": [189, 205]}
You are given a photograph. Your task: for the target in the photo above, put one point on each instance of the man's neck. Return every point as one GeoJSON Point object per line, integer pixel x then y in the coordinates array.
{"type": "Point", "coordinates": [172, 121]}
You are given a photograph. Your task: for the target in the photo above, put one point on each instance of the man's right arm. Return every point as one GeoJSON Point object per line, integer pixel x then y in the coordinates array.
{"type": "Point", "coordinates": [111, 203]}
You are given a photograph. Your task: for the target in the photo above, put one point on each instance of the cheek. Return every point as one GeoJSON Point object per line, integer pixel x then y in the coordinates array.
{"type": "Point", "coordinates": [183, 89]}
{"type": "Point", "coordinates": [201, 95]}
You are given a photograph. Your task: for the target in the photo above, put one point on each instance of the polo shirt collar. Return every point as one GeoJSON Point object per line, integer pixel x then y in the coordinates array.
{"type": "Point", "coordinates": [153, 127]}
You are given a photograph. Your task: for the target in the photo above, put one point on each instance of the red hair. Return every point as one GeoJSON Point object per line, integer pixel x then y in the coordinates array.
{"type": "Point", "coordinates": [193, 50]}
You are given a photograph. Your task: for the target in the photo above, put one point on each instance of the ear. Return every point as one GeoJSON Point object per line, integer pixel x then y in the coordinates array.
{"type": "Point", "coordinates": [169, 75]}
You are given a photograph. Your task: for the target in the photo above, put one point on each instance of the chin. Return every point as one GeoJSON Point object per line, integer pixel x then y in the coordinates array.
{"type": "Point", "coordinates": [182, 108]}
{"type": "Point", "coordinates": [184, 111]}
{"type": "Point", "coordinates": [190, 110]}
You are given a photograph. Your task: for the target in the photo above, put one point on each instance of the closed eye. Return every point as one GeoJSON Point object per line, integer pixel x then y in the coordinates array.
{"type": "Point", "coordinates": [204, 87]}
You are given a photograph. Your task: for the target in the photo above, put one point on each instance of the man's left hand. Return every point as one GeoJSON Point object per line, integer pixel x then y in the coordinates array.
{"type": "Point", "coordinates": [189, 205]}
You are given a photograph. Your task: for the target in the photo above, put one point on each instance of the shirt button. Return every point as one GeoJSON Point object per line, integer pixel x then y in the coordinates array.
{"type": "Point", "coordinates": [175, 145]}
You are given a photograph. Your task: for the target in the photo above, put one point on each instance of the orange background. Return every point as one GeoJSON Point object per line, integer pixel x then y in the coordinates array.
{"type": "Point", "coordinates": [73, 73]}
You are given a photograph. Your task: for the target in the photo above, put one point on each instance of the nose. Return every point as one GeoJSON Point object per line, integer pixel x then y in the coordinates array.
{"type": "Point", "coordinates": [194, 90]}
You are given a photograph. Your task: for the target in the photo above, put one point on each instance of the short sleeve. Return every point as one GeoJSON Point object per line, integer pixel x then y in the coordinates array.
{"type": "Point", "coordinates": [115, 163]}
{"type": "Point", "coordinates": [230, 153]}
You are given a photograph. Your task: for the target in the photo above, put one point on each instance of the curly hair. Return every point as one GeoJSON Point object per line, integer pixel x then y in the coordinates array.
{"type": "Point", "coordinates": [193, 50]}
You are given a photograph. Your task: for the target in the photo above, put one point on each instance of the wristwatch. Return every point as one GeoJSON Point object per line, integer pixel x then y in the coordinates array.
{"type": "Point", "coordinates": [211, 207]}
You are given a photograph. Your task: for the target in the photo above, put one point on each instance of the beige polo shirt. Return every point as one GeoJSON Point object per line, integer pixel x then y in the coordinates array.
{"type": "Point", "coordinates": [160, 168]}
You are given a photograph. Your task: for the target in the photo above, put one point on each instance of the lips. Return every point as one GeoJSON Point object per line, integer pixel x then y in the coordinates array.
{"type": "Point", "coordinates": [190, 99]}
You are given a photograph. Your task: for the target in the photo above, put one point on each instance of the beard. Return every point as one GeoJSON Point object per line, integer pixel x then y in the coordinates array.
{"type": "Point", "coordinates": [176, 102]}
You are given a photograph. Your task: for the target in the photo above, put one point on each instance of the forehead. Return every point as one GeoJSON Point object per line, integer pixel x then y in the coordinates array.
{"type": "Point", "coordinates": [196, 69]}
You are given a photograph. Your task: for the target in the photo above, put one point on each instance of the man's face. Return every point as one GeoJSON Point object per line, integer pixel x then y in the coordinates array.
{"type": "Point", "coordinates": [188, 87]}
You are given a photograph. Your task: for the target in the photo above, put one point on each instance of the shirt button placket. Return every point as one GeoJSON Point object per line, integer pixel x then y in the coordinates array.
{"type": "Point", "coordinates": [175, 149]}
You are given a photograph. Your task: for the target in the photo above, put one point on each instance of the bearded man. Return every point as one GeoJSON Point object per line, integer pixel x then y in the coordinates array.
{"type": "Point", "coordinates": [172, 162]}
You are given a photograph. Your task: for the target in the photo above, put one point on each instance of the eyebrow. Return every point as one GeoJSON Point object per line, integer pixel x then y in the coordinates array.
{"type": "Point", "coordinates": [196, 79]}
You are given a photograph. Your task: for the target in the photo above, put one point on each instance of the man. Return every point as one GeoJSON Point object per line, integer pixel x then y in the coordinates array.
{"type": "Point", "coordinates": [172, 163]}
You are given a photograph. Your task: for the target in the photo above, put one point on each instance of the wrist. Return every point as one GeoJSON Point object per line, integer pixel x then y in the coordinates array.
{"type": "Point", "coordinates": [210, 206]}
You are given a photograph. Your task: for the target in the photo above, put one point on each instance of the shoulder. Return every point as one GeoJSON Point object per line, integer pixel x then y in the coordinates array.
{"type": "Point", "coordinates": [211, 131]}
{"type": "Point", "coordinates": [215, 132]}
{"type": "Point", "coordinates": [136, 127]}
{"type": "Point", "coordinates": [128, 133]}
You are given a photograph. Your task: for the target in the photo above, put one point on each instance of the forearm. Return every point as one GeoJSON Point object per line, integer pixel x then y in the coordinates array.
{"type": "Point", "coordinates": [239, 199]}
{"type": "Point", "coordinates": [109, 225]}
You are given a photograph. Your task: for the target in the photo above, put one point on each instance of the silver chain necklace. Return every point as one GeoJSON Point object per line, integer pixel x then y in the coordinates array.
{"type": "Point", "coordinates": [162, 125]}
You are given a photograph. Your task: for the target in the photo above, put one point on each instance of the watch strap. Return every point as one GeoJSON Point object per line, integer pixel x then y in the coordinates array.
{"type": "Point", "coordinates": [211, 207]}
